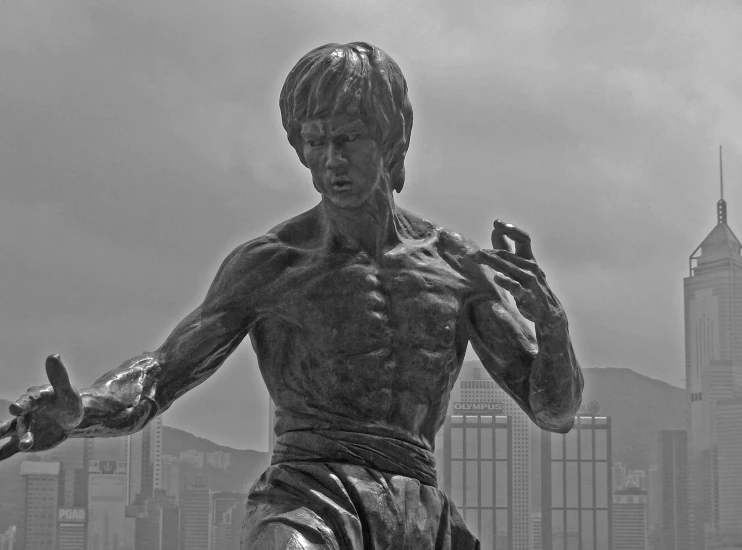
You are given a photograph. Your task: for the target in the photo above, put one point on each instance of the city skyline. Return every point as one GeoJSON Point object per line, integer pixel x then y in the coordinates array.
{"type": "Point", "coordinates": [167, 161]}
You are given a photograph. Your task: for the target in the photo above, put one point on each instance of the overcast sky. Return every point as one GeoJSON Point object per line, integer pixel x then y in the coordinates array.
{"type": "Point", "coordinates": [141, 141]}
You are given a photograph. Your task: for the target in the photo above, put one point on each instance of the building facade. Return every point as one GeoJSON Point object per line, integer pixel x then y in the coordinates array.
{"type": "Point", "coordinates": [71, 529]}
{"type": "Point", "coordinates": [577, 486]}
{"type": "Point", "coordinates": [728, 425]}
{"type": "Point", "coordinates": [195, 513]}
{"type": "Point", "coordinates": [630, 519]}
{"type": "Point", "coordinates": [107, 495]}
{"type": "Point", "coordinates": [479, 475]}
{"type": "Point", "coordinates": [713, 355]}
{"type": "Point", "coordinates": [673, 521]}
{"type": "Point", "coordinates": [476, 394]}
{"type": "Point", "coordinates": [40, 499]}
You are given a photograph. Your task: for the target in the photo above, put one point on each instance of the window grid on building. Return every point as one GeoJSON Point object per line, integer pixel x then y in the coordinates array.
{"type": "Point", "coordinates": [581, 485]}
{"type": "Point", "coordinates": [481, 474]}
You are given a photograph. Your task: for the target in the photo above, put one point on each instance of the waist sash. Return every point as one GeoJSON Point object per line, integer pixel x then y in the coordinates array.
{"type": "Point", "coordinates": [359, 449]}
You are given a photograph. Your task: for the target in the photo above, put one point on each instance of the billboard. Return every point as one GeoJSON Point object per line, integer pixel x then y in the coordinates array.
{"type": "Point", "coordinates": [484, 407]}
{"type": "Point", "coordinates": [72, 515]}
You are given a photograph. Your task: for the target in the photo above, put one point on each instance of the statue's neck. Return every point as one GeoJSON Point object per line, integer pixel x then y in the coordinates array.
{"type": "Point", "coordinates": [372, 229]}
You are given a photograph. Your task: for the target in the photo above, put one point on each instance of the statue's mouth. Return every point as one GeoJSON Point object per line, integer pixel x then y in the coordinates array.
{"type": "Point", "coordinates": [341, 183]}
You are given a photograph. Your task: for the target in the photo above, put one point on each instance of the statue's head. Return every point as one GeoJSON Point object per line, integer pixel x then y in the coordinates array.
{"type": "Point", "coordinates": [355, 80]}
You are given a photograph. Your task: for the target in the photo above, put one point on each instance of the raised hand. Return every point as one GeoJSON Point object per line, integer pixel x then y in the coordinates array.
{"type": "Point", "coordinates": [43, 416]}
{"type": "Point", "coordinates": [518, 273]}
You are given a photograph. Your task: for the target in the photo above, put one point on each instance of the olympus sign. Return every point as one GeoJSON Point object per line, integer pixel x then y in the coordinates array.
{"type": "Point", "coordinates": [479, 407]}
{"type": "Point", "coordinates": [76, 515]}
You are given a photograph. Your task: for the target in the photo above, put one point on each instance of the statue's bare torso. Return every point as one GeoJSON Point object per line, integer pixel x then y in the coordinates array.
{"type": "Point", "coordinates": [363, 344]}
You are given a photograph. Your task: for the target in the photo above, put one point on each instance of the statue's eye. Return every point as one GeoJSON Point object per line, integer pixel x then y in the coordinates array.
{"type": "Point", "coordinates": [347, 138]}
{"type": "Point", "coordinates": [314, 142]}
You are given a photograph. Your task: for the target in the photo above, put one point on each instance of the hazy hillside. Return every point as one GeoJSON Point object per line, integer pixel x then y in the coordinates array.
{"type": "Point", "coordinates": [638, 406]}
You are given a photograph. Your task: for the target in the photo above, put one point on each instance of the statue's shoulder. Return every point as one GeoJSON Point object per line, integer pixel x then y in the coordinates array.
{"type": "Point", "coordinates": [300, 231]}
{"type": "Point", "coordinates": [446, 239]}
{"type": "Point", "coordinates": [277, 249]}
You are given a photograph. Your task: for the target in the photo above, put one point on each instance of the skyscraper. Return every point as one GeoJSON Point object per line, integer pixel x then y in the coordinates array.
{"type": "Point", "coordinates": [673, 490]}
{"type": "Point", "coordinates": [145, 467]}
{"type": "Point", "coordinates": [38, 528]}
{"type": "Point", "coordinates": [478, 473]}
{"type": "Point", "coordinates": [630, 519]}
{"type": "Point", "coordinates": [476, 391]}
{"type": "Point", "coordinates": [713, 354]}
{"type": "Point", "coordinates": [577, 486]}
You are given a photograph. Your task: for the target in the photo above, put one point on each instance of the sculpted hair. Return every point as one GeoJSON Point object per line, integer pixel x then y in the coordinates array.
{"type": "Point", "coordinates": [356, 79]}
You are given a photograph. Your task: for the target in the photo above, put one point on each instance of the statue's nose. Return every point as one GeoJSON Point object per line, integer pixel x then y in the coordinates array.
{"type": "Point", "coordinates": [335, 157]}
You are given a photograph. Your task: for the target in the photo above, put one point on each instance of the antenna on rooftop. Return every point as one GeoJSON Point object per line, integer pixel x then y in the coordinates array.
{"type": "Point", "coordinates": [721, 205]}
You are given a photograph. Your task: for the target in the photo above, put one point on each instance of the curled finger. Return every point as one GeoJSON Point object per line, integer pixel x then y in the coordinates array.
{"type": "Point", "coordinates": [9, 449]}
{"type": "Point", "coordinates": [24, 429]}
{"type": "Point", "coordinates": [512, 286]}
{"type": "Point", "coordinates": [34, 398]}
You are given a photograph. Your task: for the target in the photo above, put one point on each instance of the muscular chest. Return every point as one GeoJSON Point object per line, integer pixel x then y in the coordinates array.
{"type": "Point", "coordinates": [358, 305]}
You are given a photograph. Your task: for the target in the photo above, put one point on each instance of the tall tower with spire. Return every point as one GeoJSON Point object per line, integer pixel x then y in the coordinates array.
{"type": "Point", "coordinates": [713, 359]}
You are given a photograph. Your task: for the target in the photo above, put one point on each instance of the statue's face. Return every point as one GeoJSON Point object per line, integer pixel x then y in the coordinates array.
{"type": "Point", "coordinates": [346, 162]}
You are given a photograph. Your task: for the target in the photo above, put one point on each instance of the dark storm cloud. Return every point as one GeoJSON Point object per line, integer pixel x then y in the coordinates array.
{"type": "Point", "coordinates": [141, 141]}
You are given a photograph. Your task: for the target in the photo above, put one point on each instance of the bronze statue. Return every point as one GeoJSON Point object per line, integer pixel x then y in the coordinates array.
{"type": "Point", "coordinates": [360, 313]}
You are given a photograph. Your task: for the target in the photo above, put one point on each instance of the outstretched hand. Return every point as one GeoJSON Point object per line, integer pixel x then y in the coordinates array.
{"type": "Point", "coordinates": [43, 416]}
{"type": "Point", "coordinates": [518, 273]}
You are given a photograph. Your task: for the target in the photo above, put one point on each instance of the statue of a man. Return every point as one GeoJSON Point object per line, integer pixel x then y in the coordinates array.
{"type": "Point", "coordinates": [360, 314]}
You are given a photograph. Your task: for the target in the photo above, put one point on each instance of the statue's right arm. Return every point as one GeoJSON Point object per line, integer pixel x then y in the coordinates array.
{"type": "Point", "coordinates": [123, 400]}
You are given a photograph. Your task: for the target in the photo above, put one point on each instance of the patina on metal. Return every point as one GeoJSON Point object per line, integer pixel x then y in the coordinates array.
{"type": "Point", "coordinates": [360, 313]}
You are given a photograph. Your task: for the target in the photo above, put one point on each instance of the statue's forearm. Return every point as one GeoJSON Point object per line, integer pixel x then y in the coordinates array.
{"type": "Point", "coordinates": [556, 380]}
{"type": "Point", "coordinates": [122, 401]}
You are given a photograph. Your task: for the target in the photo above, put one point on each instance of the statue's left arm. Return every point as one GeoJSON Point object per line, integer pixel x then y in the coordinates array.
{"type": "Point", "coordinates": [540, 371]}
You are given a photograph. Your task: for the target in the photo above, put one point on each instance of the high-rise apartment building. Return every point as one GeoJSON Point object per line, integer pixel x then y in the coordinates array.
{"type": "Point", "coordinates": [672, 469]}
{"type": "Point", "coordinates": [195, 513]}
{"type": "Point", "coordinates": [40, 499]}
{"type": "Point", "coordinates": [577, 486]}
{"type": "Point", "coordinates": [713, 355]}
{"type": "Point", "coordinates": [630, 519]}
{"type": "Point", "coordinates": [477, 394]}
{"type": "Point", "coordinates": [143, 455]}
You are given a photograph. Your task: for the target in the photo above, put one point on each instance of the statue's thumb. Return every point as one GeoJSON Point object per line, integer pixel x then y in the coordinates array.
{"type": "Point", "coordinates": [58, 377]}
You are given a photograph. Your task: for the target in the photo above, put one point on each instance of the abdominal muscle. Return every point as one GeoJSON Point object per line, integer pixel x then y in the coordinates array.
{"type": "Point", "coordinates": [402, 395]}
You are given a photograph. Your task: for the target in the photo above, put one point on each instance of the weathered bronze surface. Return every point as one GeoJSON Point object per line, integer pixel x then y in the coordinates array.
{"type": "Point", "coordinates": [360, 313]}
